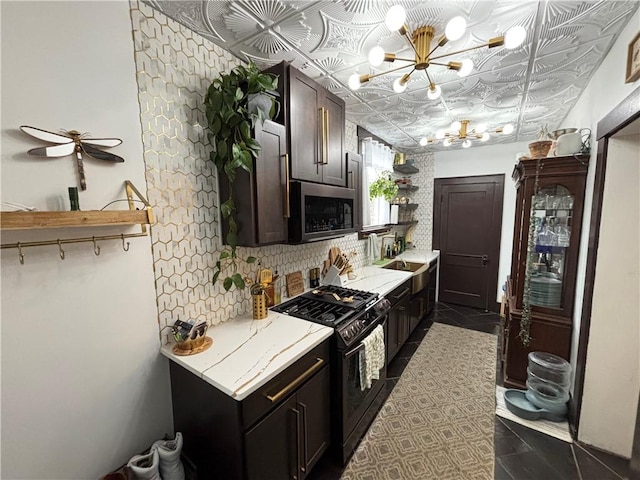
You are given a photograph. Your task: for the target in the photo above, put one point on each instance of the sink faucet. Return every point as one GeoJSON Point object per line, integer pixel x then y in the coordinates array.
{"type": "Point", "coordinates": [404, 263]}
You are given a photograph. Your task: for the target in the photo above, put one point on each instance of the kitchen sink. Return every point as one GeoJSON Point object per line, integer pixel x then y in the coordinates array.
{"type": "Point", "coordinates": [407, 267]}
{"type": "Point", "coordinates": [420, 271]}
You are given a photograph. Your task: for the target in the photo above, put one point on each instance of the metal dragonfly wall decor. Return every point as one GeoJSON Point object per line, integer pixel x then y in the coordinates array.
{"type": "Point", "coordinates": [70, 141]}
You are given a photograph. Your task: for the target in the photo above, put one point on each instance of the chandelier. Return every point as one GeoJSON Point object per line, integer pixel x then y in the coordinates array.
{"type": "Point", "coordinates": [461, 133]}
{"type": "Point", "coordinates": [420, 41]}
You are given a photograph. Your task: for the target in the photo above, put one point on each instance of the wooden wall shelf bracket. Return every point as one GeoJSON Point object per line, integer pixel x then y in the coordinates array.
{"type": "Point", "coordinates": [93, 218]}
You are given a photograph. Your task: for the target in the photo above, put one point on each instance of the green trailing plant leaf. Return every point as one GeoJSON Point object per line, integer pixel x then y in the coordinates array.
{"type": "Point", "coordinates": [235, 102]}
{"type": "Point", "coordinates": [383, 186]}
{"type": "Point", "coordinates": [251, 259]}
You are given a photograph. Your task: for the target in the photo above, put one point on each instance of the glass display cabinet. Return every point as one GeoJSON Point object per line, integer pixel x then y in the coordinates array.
{"type": "Point", "coordinates": [541, 286]}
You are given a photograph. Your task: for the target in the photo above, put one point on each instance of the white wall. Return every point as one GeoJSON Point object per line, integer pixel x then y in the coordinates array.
{"type": "Point", "coordinates": [604, 92]}
{"type": "Point", "coordinates": [83, 386]}
{"type": "Point", "coordinates": [488, 160]}
{"type": "Point", "coordinates": [612, 377]}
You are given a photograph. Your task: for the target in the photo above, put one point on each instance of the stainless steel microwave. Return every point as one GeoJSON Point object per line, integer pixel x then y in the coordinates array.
{"type": "Point", "coordinates": [319, 212]}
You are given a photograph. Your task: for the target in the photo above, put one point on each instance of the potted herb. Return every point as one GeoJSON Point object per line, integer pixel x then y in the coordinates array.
{"type": "Point", "coordinates": [234, 103]}
{"type": "Point", "coordinates": [383, 186]}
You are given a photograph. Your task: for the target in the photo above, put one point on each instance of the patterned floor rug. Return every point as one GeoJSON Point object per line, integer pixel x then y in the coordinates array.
{"type": "Point", "coordinates": [438, 422]}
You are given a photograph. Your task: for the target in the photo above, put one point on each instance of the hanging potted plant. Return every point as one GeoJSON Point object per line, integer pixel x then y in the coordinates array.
{"type": "Point", "coordinates": [383, 186]}
{"type": "Point", "coordinates": [234, 103]}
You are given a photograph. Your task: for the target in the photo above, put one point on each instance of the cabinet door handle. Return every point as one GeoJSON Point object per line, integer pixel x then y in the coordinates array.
{"type": "Point", "coordinates": [351, 185]}
{"type": "Point", "coordinates": [322, 136]}
{"type": "Point", "coordinates": [326, 137]}
{"type": "Point", "coordinates": [306, 374]}
{"type": "Point", "coordinates": [297, 475]}
{"type": "Point", "coordinates": [287, 187]}
{"type": "Point", "coordinates": [485, 260]}
{"type": "Point", "coordinates": [303, 465]}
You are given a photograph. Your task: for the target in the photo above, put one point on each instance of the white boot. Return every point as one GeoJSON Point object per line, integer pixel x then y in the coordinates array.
{"type": "Point", "coordinates": [171, 467]}
{"type": "Point", "coordinates": [146, 467]}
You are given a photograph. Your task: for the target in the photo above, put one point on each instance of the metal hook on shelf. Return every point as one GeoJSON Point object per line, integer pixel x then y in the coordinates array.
{"type": "Point", "coordinates": [96, 247]}
{"type": "Point", "coordinates": [60, 249]}
{"type": "Point", "coordinates": [20, 254]}
{"type": "Point", "coordinates": [125, 247]}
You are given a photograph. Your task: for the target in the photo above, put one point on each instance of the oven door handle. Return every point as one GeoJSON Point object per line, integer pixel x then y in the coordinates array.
{"type": "Point", "coordinates": [361, 345]}
{"type": "Point", "coordinates": [353, 351]}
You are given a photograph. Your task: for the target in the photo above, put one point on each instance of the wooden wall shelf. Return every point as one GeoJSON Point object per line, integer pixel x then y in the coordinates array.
{"type": "Point", "coordinates": [92, 218]}
{"type": "Point", "coordinates": [405, 168]}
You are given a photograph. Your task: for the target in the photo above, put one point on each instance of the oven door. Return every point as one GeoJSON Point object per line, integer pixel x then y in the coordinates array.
{"type": "Point", "coordinates": [356, 401]}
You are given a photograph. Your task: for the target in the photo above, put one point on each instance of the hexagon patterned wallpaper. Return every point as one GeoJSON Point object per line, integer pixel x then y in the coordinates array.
{"type": "Point", "coordinates": [174, 68]}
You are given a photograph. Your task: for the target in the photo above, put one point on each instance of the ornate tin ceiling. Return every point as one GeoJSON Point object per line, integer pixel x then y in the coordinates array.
{"type": "Point", "coordinates": [329, 40]}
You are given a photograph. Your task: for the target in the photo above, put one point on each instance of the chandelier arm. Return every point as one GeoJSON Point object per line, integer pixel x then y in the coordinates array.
{"type": "Point", "coordinates": [390, 71]}
{"type": "Point", "coordinates": [408, 39]}
{"type": "Point", "coordinates": [439, 64]}
{"type": "Point", "coordinates": [461, 51]}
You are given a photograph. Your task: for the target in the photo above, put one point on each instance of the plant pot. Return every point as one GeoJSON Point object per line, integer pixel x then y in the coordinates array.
{"type": "Point", "coordinates": [540, 148]}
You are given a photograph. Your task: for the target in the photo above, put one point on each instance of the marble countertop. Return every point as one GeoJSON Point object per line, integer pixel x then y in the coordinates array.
{"type": "Point", "coordinates": [247, 353]}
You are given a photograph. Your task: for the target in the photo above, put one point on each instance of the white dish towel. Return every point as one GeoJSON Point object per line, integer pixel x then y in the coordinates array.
{"type": "Point", "coordinates": [372, 357]}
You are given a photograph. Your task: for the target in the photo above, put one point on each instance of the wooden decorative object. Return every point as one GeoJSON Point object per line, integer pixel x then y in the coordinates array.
{"type": "Point", "coordinates": [259, 305]}
{"type": "Point", "coordinates": [540, 148]}
{"type": "Point", "coordinates": [633, 60]}
{"type": "Point", "coordinates": [191, 347]}
{"type": "Point", "coordinates": [295, 284]}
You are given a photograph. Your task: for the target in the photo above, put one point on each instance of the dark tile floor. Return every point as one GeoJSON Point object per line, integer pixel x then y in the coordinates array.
{"type": "Point", "coordinates": [520, 453]}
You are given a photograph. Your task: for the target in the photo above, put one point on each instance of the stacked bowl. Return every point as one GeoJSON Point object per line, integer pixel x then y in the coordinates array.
{"type": "Point", "coordinates": [548, 379]}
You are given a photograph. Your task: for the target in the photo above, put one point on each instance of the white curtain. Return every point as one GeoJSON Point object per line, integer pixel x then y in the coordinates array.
{"type": "Point", "coordinates": [377, 158]}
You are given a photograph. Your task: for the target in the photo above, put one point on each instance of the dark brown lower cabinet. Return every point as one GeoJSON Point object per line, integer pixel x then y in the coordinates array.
{"type": "Point", "coordinates": [278, 432]}
{"type": "Point", "coordinates": [399, 322]}
{"type": "Point", "coordinates": [290, 440]}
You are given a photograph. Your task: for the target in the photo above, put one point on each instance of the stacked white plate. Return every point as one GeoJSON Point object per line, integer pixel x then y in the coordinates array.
{"type": "Point", "coordinates": [546, 291]}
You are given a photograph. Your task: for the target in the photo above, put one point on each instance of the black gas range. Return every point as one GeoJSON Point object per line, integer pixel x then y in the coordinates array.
{"type": "Point", "coordinates": [351, 312]}
{"type": "Point", "coordinates": [354, 314]}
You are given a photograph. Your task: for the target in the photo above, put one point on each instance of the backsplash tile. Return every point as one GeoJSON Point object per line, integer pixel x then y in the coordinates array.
{"type": "Point", "coordinates": [174, 67]}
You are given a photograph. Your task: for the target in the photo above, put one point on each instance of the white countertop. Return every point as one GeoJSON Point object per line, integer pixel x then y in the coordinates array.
{"type": "Point", "coordinates": [247, 353]}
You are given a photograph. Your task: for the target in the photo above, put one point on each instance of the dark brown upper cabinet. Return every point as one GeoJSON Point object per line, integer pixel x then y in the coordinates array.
{"type": "Point", "coordinates": [262, 196]}
{"type": "Point", "coordinates": [354, 180]}
{"type": "Point", "coordinates": [315, 122]}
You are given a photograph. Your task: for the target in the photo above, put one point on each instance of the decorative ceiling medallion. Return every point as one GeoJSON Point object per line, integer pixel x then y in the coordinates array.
{"type": "Point", "coordinates": [330, 83]}
{"type": "Point", "coordinates": [343, 37]}
{"type": "Point", "coordinates": [357, 6]}
{"type": "Point", "coordinates": [332, 64]}
{"type": "Point", "coordinates": [261, 62]}
{"type": "Point", "coordinates": [248, 18]}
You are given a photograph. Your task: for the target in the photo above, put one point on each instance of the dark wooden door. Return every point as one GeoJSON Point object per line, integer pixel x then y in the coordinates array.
{"type": "Point", "coordinates": [354, 180]}
{"type": "Point", "coordinates": [314, 407]}
{"type": "Point", "coordinates": [334, 171]}
{"type": "Point", "coordinates": [466, 230]}
{"type": "Point", "coordinates": [305, 122]}
{"type": "Point", "coordinates": [272, 445]}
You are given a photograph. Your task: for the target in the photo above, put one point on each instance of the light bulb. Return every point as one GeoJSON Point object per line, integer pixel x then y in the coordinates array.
{"type": "Point", "coordinates": [465, 69]}
{"type": "Point", "coordinates": [354, 82]}
{"type": "Point", "coordinates": [466, 143]}
{"type": "Point", "coordinates": [376, 56]}
{"type": "Point", "coordinates": [424, 141]}
{"type": "Point", "coordinates": [398, 86]}
{"type": "Point", "coordinates": [485, 137]}
{"type": "Point", "coordinates": [395, 17]}
{"type": "Point", "coordinates": [447, 142]}
{"type": "Point", "coordinates": [456, 125]}
{"type": "Point", "coordinates": [434, 93]}
{"type": "Point", "coordinates": [455, 28]}
{"type": "Point", "coordinates": [507, 129]}
{"type": "Point", "coordinates": [514, 37]}
{"type": "Point", "coordinates": [440, 134]}
{"type": "Point", "coordinates": [481, 128]}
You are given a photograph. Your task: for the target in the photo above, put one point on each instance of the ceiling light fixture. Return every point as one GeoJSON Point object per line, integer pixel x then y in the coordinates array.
{"type": "Point", "coordinates": [420, 41]}
{"type": "Point", "coordinates": [460, 132]}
